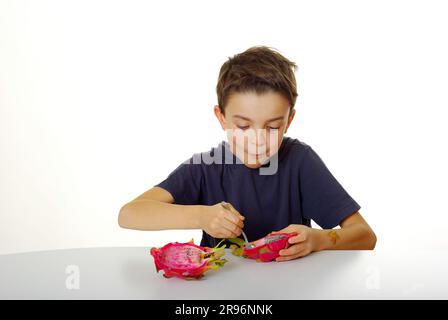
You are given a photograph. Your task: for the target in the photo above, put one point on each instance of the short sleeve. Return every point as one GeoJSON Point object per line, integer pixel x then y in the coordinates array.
{"type": "Point", "coordinates": [184, 183]}
{"type": "Point", "coordinates": [324, 200]}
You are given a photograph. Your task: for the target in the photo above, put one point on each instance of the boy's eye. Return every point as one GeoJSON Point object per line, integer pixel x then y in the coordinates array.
{"type": "Point", "coordinates": [247, 127]}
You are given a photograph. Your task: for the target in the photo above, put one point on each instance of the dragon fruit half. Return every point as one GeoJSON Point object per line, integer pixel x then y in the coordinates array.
{"type": "Point", "coordinates": [265, 249]}
{"type": "Point", "coordinates": [187, 260]}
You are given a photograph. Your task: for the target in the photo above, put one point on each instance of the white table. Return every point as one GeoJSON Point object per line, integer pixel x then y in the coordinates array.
{"type": "Point", "coordinates": [129, 273]}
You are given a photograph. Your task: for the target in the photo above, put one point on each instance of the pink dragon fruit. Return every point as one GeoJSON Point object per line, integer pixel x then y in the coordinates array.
{"type": "Point", "coordinates": [187, 260]}
{"type": "Point", "coordinates": [265, 249]}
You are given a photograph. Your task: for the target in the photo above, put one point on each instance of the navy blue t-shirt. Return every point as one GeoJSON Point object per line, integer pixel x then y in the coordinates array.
{"type": "Point", "coordinates": [302, 189]}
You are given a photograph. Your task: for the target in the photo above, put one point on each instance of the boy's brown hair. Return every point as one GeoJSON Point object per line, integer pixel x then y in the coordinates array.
{"type": "Point", "coordinates": [260, 69]}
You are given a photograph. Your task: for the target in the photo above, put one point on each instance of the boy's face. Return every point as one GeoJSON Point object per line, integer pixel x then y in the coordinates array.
{"type": "Point", "coordinates": [255, 125]}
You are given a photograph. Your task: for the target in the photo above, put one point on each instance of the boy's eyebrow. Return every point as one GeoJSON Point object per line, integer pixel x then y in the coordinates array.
{"type": "Point", "coordinates": [245, 118]}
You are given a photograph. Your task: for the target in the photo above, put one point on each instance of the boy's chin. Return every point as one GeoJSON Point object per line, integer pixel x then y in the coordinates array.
{"type": "Point", "coordinates": [253, 166]}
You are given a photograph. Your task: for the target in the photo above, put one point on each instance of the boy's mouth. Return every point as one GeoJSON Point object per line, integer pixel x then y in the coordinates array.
{"type": "Point", "coordinates": [260, 154]}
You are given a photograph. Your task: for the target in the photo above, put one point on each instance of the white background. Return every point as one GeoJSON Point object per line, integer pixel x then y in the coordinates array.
{"type": "Point", "coordinates": [101, 100]}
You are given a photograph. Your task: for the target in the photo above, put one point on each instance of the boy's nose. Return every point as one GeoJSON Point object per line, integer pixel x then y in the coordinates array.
{"type": "Point", "coordinates": [259, 137]}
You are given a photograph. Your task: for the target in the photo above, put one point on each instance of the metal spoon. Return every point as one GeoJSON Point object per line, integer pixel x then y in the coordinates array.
{"type": "Point", "coordinates": [247, 243]}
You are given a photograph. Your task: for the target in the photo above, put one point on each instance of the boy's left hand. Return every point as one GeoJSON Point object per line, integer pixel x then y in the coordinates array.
{"type": "Point", "coordinates": [301, 245]}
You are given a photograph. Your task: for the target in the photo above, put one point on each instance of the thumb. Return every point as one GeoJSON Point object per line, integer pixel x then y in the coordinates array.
{"type": "Point", "coordinates": [229, 206]}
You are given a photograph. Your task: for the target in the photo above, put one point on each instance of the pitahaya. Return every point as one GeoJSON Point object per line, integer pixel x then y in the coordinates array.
{"type": "Point", "coordinates": [265, 249]}
{"type": "Point", "coordinates": [187, 260]}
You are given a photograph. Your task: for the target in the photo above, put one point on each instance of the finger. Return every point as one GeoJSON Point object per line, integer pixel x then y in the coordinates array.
{"type": "Point", "coordinates": [300, 253]}
{"type": "Point", "coordinates": [231, 228]}
{"type": "Point", "coordinates": [297, 239]}
{"type": "Point", "coordinates": [235, 212]}
{"type": "Point", "coordinates": [291, 250]}
{"type": "Point", "coordinates": [291, 257]}
{"type": "Point", "coordinates": [233, 218]}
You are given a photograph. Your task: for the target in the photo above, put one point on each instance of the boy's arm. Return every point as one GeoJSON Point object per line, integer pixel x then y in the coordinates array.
{"type": "Point", "coordinates": [355, 234]}
{"type": "Point", "coordinates": [154, 210]}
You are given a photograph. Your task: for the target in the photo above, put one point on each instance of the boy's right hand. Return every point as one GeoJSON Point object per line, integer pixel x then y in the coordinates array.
{"type": "Point", "coordinates": [221, 222]}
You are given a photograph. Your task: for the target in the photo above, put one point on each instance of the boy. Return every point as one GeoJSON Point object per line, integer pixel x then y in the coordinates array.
{"type": "Point", "coordinates": [271, 182]}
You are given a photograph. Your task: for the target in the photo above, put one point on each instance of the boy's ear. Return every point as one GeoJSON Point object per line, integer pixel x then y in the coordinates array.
{"type": "Point", "coordinates": [220, 117]}
{"type": "Point", "coordinates": [291, 116]}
